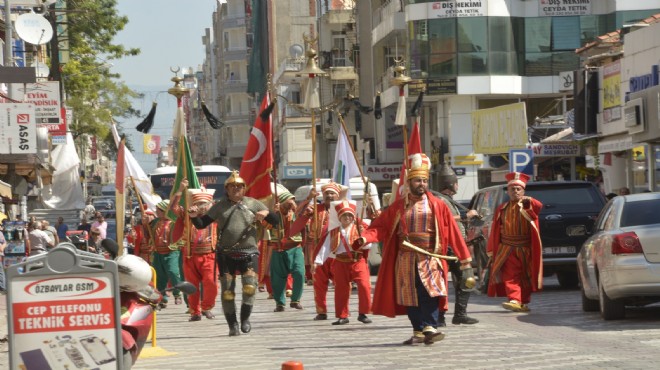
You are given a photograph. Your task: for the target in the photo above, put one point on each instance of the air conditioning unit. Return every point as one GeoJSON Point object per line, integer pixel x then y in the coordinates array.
{"type": "Point", "coordinates": [633, 116]}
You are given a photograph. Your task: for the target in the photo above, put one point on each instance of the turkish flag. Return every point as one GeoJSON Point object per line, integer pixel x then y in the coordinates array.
{"type": "Point", "coordinates": [258, 158]}
{"type": "Point", "coordinates": [414, 147]}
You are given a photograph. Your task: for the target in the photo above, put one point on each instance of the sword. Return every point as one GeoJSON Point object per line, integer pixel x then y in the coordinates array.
{"type": "Point", "coordinates": [422, 251]}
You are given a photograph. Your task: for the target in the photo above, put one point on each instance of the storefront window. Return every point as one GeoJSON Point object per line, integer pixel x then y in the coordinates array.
{"type": "Point", "coordinates": [442, 35]}
{"type": "Point", "coordinates": [640, 180]}
{"type": "Point", "coordinates": [472, 34]}
{"type": "Point", "coordinates": [442, 65]}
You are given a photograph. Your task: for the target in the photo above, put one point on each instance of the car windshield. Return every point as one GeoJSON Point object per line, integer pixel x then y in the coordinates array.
{"type": "Point", "coordinates": [568, 198]}
{"type": "Point", "coordinates": [641, 212]}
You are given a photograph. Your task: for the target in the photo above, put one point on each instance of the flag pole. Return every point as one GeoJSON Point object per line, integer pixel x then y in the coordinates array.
{"type": "Point", "coordinates": [401, 80]}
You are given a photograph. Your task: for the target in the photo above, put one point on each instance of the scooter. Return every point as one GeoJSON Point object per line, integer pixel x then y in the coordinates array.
{"type": "Point", "coordinates": [138, 298]}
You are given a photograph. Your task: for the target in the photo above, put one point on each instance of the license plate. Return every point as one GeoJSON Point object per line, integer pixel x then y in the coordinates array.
{"type": "Point", "coordinates": [559, 250]}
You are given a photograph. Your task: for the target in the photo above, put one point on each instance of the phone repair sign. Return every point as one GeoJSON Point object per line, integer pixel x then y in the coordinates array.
{"type": "Point", "coordinates": [63, 312]}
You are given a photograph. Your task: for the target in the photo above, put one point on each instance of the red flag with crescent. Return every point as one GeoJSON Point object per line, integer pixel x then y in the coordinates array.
{"type": "Point", "coordinates": [414, 147]}
{"type": "Point", "coordinates": [258, 158]}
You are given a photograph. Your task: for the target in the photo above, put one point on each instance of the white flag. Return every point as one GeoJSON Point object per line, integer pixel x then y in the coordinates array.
{"type": "Point", "coordinates": [137, 175]}
{"type": "Point", "coordinates": [345, 165]}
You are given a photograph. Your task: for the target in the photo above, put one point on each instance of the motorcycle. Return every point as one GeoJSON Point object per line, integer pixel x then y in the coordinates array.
{"type": "Point", "coordinates": [139, 299]}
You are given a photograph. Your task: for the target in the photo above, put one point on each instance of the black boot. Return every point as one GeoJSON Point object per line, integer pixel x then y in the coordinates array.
{"type": "Point", "coordinates": [460, 309]}
{"type": "Point", "coordinates": [233, 324]}
{"type": "Point", "coordinates": [246, 310]}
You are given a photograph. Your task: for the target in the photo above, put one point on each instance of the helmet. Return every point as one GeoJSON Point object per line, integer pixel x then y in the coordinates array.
{"type": "Point", "coordinates": [234, 178]}
{"type": "Point", "coordinates": [447, 177]}
{"type": "Point", "coordinates": [134, 273]}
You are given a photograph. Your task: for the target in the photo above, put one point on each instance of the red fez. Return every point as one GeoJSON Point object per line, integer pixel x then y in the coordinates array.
{"type": "Point", "coordinates": [331, 186]}
{"type": "Point", "coordinates": [517, 178]}
{"type": "Point", "coordinates": [345, 206]}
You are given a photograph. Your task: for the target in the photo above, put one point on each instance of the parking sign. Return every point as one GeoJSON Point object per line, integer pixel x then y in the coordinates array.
{"type": "Point", "coordinates": [522, 160]}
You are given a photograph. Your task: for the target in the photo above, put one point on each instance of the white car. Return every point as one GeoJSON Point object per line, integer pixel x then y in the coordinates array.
{"type": "Point", "coordinates": [619, 265]}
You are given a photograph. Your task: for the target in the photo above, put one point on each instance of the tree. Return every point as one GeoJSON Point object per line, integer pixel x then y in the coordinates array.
{"type": "Point", "coordinates": [93, 93]}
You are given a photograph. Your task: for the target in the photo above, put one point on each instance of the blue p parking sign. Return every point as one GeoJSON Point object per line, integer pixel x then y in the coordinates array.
{"type": "Point", "coordinates": [522, 160]}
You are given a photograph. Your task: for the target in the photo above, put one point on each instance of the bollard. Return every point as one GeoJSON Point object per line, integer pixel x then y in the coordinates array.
{"type": "Point", "coordinates": [292, 365]}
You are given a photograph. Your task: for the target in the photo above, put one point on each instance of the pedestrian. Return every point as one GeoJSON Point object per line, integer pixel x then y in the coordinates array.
{"type": "Point", "coordinates": [349, 265]}
{"type": "Point", "coordinates": [199, 256]}
{"type": "Point", "coordinates": [166, 254]}
{"type": "Point", "coordinates": [316, 233]}
{"type": "Point", "coordinates": [624, 191]}
{"type": "Point", "coordinates": [514, 247]}
{"type": "Point", "coordinates": [449, 188]}
{"type": "Point", "coordinates": [89, 211]}
{"type": "Point", "coordinates": [51, 231]}
{"type": "Point", "coordinates": [101, 224]}
{"type": "Point", "coordinates": [142, 239]}
{"type": "Point", "coordinates": [84, 225]}
{"type": "Point", "coordinates": [287, 258]}
{"type": "Point", "coordinates": [416, 231]}
{"type": "Point", "coordinates": [94, 243]}
{"type": "Point", "coordinates": [237, 218]}
{"type": "Point", "coordinates": [61, 228]}
{"type": "Point", "coordinates": [39, 241]}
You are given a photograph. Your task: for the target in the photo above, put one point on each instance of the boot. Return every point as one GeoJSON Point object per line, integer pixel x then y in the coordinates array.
{"type": "Point", "coordinates": [246, 310]}
{"type": "Point", "coordinates": [233, 324]}
{"type": "Point", "coordinates": [460, 309]}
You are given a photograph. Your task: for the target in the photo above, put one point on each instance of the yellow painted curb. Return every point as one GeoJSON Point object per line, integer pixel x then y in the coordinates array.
{"type": "Point", "coordinates": [148, 352]}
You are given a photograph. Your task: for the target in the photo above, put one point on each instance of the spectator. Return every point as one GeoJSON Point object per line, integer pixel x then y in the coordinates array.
{"type": "Point", "coordinates": [94, 240]}
{"type": "Point", "coordinates": [62, 228]}
{"type": "Point", "coordinates": [84, 226]}
{"type": "Point", "coordinates": [100, 224]}
{"type": "Point", "coordinates": [624, 191]}
{"type": "Point", "coordinates": [89, 210]}
{"type": "Point", "coordinates": [40, 242]}
{"type": "Point", "coordinates": [609, 196]}
{"type": "Point", "coordinates": [52, 233]}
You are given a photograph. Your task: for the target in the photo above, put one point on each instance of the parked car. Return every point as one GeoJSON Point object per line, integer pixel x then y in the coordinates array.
{"type": "Point", "coordinates": [619, 263]}
{"type": "Point", "coordinates": [569, 211]}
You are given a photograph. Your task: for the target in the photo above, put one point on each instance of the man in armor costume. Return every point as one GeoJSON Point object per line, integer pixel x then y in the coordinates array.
{"type": "Point", "coordinates": [199, 255]}
{"type": "Point", "coordinates": [448, 188]}
{"type": "Point", "coordinates": [416, 231]}
{"type": "Point", "coordinates": [166, 254]}
{"type": "Point", "coordinates": [237, 217]}
{"type": "Point", "coordinates": [514, 245]}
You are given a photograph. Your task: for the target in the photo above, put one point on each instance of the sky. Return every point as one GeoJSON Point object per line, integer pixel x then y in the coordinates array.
{"type": "Point", "coordinates": [169, 34]}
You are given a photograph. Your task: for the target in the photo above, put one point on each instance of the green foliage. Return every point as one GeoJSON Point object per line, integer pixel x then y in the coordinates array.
{"type": "Point", "coordinates": [94, 93]}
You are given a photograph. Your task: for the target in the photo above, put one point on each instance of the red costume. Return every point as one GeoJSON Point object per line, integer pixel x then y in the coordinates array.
{"type": "Point", "coordinates": [515, 246]}
{"type": "Point", "coordinates": [388, 228]}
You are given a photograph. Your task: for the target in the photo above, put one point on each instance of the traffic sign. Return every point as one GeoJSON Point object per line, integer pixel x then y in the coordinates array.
{"type": "Point", "coordinates": [522, 160]}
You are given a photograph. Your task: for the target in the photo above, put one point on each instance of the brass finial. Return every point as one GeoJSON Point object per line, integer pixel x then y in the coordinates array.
{"type": "Point", "coordinates": [178, 90]}
{"type": "Point", "coordinates": [400, 79]}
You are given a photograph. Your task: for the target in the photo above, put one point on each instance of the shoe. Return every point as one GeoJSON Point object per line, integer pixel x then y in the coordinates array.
{"type": "Point", "coordinates": [457, 320]}
{"type": "Point", "coordinates": [296, 305]}
{"type": "Point", "coordinates": [289, 292]}
{"type": "Point", "coordinates": [208, 314]}
{"type": "Point", "coordinates": [195, 318]}
{"type": "Point", "coordinates": [270, 296]}
{"type": "Point", "coordinates": [233, 330]}
{"type": "Point", "coordinates": [262, 289]}
{"type": "Point", "coordinates": [162, 305]}
{"type": "Point", "coordinates": [341, 321]}
{"type": "Point", "coordinates": [246, 311]}
{"type": "Point", "coordinates": [430, 337]}
{"type": "Point", "coordinates": [414, 340]}
{"type": "Point", "coordinates": [524, 308]}
{"type": "Point", "coordinates": [178, 300]}
{"type": "Point", "coordinates": [364, 319]}
{"type": "Point", "coordinates": [279, 308]}
{"type": "Point", "coordinates": [321, 316]}
{"type": "Point", "coordinates": [514, 306]}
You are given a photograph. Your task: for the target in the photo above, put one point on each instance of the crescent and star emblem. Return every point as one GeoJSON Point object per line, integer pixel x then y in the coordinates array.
{"type": "Point", "coordinates": [261, 139]}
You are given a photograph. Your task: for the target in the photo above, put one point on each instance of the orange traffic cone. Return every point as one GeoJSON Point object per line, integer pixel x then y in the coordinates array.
{"type": "Point", "coordinates": [292, 365]}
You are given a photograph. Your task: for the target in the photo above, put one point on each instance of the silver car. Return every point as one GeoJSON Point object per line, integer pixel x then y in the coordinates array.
{"type": "Point", "coordinates": [619, 265]}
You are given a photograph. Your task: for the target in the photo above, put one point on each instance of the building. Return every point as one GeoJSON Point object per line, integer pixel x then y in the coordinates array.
{"type": "Point", "coordinates": [471, 56]}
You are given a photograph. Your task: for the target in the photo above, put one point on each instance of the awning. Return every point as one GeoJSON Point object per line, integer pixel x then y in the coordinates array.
{"type": "Point", "coordinates": [563, 135]}
{"type": "Point", "coordinates": [5, 189]}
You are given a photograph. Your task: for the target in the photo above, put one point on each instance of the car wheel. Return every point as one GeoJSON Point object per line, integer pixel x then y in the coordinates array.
{"type": "Point", "coordinates": [610, 309]}
{"type": "Point", "coordinates": [589, 305]}
{"type": "Point", "coordinates": [567, 279]}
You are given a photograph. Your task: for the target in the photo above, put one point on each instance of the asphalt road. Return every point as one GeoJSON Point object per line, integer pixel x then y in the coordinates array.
{"type": "Point", "coordinates": [555, 335]}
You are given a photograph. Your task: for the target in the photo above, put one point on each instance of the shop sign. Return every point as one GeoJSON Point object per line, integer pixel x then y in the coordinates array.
{"type": "Point", "coordinates": [457, 8]}
{"type": "Point", "coordinates": [440, 86]}
{"type": "Point", "coordinates": [18, 130]}
{"type": "Point", "coordinates": [496, 130]}
{"type": "Point", "coordinates": [297, 172]}
{"type": "Point", "coordinates": [562, 8]}
{"type": "Point", "coordinates": [383, 172]}
{"type": "Point", "coordinates": [45, 96]}
{"type": "Point", "coordinates": [639, 83]}
{"type": "Point", "coordinates": [556, 150]}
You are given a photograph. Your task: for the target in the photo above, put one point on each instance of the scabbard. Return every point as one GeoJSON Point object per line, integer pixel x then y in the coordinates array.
{"type": "Point", "coordinates": [415, 248]}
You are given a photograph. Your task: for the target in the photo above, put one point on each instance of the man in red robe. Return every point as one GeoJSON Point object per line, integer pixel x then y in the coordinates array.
{"type": "Point", "coordinates": [514, 246]}
{"type": "Point", "coordinates": [414, 281]}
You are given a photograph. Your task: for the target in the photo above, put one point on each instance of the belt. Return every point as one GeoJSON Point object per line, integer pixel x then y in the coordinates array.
{"type": "Point", "coordinates": [282, 247]}
{"type": "Point", "coordinates": [345, 257]}
{"type": "Point", "coordinates": [515, 240]}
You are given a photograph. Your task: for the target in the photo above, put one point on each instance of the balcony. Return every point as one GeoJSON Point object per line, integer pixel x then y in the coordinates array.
{"type": "Point", "coordinates": [234, 86]}
{"type": "Point", "coordinates": [235, 53]}
{"type": "Point", "coordinates": [388, 18]}
{"type": "Point", "coordinates": [234, 21]}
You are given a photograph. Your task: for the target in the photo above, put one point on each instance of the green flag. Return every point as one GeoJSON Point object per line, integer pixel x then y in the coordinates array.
{"type": "Point", "coordinates": [185, 169]}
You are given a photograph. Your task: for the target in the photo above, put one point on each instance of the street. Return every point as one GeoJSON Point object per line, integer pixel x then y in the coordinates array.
{"type": "Point", "coordinates": [556, 334]}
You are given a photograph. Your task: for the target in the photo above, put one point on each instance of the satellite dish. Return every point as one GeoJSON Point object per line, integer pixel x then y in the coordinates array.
{"type": "Point", "coordinates": [41, 69]}
{"type": "Point", "coordinates": [296, 51]}
{"type": "Point", "coordinates": [33, 28]}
